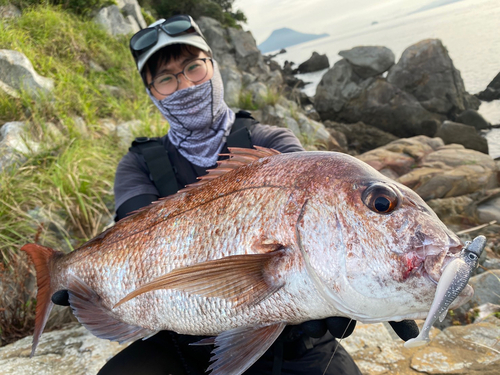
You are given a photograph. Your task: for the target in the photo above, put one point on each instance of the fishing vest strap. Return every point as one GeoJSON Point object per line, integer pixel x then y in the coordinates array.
{"type": "Point", "coordinates": [158, 161]}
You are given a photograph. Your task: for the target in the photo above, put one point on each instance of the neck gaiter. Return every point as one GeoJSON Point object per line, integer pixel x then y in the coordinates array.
{"type": "Point", "coordinates": [199, 120]}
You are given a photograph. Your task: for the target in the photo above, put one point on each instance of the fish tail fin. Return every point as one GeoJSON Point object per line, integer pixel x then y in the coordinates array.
{"type": "Point", "coordinates": [41, 257]}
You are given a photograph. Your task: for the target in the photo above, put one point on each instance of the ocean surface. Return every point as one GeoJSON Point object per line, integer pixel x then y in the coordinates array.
{"type": "Point", "coordinates": [469, 29]}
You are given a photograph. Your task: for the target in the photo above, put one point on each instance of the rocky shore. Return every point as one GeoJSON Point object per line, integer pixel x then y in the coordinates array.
{"type": "Point", "coordinates": [411, 119]}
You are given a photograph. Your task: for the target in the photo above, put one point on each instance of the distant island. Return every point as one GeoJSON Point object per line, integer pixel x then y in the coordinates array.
{"type": "Point", "coordinates": [286, 37]}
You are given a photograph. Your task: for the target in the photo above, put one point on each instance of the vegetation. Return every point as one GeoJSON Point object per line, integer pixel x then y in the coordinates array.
{"type": "Point", "coordinates": [61, 195]}
{"type": "Point", "coordinates": [221, 10]}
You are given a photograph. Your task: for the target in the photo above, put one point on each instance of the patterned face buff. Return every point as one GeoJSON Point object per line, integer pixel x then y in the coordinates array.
{"type": "Point", "coordinates": [199, 120]}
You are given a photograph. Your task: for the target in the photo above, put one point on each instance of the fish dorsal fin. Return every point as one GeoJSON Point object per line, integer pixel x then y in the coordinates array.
{"type": "Point", "coordinates": [93, 315]}
{"type": "Point", "coordinates": [238, 157]}
{"type": "Point", "coordinates": [241, 279]}
{"type": "Point", "coordinates": [236, 350]}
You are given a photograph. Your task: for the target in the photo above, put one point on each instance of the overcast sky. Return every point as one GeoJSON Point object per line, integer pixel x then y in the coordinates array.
{"type": "Point", "coordinates": [321, 16]}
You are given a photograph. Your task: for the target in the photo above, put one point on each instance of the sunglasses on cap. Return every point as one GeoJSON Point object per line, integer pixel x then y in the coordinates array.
{"type": "Point", "coordinates": [174, 26]}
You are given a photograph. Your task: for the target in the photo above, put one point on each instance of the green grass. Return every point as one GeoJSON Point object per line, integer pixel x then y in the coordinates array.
{"type": "Point", "coordinates": [61, 195]}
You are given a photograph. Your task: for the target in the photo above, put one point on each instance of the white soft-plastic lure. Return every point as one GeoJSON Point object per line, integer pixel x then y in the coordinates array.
{"type": "Point", "coordinates": [454, 279]}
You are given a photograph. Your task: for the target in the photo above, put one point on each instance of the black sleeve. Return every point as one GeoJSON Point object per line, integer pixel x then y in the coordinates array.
{"type": "Point", "coordinates": [132, 179]}
{"type": "Point", "coordinates": [280, 139]}
{"type": "Point", "coordinates": [133, 204]}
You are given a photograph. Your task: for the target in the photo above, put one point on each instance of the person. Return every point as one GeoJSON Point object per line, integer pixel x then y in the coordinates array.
{"type": "Point", "coordinates": [183, 80]}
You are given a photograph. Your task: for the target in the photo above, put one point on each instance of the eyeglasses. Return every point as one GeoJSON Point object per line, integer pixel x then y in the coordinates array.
{"type": "Point", "coordinates": [194, 71]}
{"type": "Point", "coordinates": [174, 26]}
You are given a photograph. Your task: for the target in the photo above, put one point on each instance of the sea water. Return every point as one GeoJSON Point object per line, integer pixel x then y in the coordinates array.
{"type": "Point", "coordinates": [469, 29]}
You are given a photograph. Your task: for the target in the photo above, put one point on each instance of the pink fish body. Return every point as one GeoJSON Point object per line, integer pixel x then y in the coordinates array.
{"type": "Point", "coordinates": [266, 240]}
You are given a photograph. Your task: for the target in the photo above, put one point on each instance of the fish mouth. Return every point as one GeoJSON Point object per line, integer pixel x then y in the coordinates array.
{"type": "Point", "coordinates": [430, 260]}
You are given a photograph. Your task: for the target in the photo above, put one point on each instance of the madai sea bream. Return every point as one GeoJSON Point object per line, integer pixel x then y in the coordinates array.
{"type": "Point", "coordinates": [264, 240]}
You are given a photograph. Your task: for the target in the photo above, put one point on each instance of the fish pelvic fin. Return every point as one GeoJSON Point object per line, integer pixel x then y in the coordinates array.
{"type": "Point", "coordinates": [41, 257]}
{"type": "Point", "coordinates": [242, 279]}
{"type": "Point", "coordinates": [88, 308]}
{"type": "Point", "coordinates": [236, 350]}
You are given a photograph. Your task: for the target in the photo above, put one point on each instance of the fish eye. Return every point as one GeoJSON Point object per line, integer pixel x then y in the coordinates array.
{"type": "Point", "coordinates": [472, 256]}
{"type": "Point", "coordinates": [380, 198]}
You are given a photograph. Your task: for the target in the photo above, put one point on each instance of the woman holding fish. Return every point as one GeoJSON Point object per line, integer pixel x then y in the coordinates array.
{"type": "Point", "coordinates": [184, 82]}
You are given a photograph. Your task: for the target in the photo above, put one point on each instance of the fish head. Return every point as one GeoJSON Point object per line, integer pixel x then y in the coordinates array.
{"type": "Point", "coordinates": [388, 248]}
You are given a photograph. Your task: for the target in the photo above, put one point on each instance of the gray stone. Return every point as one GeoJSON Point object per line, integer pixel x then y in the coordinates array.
{"type": "Point", "coordinates": [17, 73]}
{"type": "Point", "coordinates": [426, 71]}
{"type": "Point", "coordinates": [453, 132]}
{"type": "Point", "coordinates": [492, 91]}
{"type": "Point", "coordinates": [216, 36]}
{"type": "Point", "coordinates": [9, 11]}
{"type": "Point", "coordinates": [473, 118]}
{"type": "Point", "coordinates": [231, 77]}
{"type": "Point", "coordinates": [132, 8]}
{"type": "Point", "coordinates": [127, 131]}
{"type": "Point", "coordinates": [489, 210]}
{"type": "Point", "coordinates": [111, 19]}
{"type": "Point", "coordinates": [133, 23]}
{"type": "Point", "coordinates": [369, 61]}
{"type": "Point", "coordinates": [361, 137]}
{"type": "Point", "coordinates": [72, 351]}
{"type": "Point", "coordinates": [314, 63]}
{"type": "Point", "coordinates": [15, 143]}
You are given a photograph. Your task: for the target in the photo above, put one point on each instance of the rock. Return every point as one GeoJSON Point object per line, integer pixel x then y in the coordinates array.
{"type": "Point", "coordinates": [14, 144]}
{"type": "Point", "coordinates": [73, 350]}
{"type": "Point", "coordinates": [453, 132]}
{"type": "Point", "coordinates": [489, 210]}
{"type": "Point", "coordinates": [473, 118]}
{"type": "Point", "coordinates": [314, 63]}
{"type": "Point", "coordinates": [361, 137]}
{"type": "Point", "coordinates": [17, 73]}
{"type": "Point", "coordinates": [111, 19]}
{"type": "Point", "coordinates": [247, 55]}
{"type": "Point", "coordinates": [216, 36]}
{"type": "Point", "coordinates": [455, 210]}
{"type": "Point", "coordinates": [471, 350]}
{"type": "Point", "coordinates": [126, 132]}
{"type": "Point", "coordinates": [483, 312]}
{"type": "Point", "coordinates": [9, 11]}
{"type": "Point", "coordinates": [369, 61]}
{"type": "Point", "coordinates": [343, 96]}
{"type": "Point", "coordinates": [450, 172]}
{"type": "Point", "coordinates": [132, 8]}
{"type": "Point", "coordinates": [232, 79]}
{"type": "Point", "coordinates": [426, 71]}
{"type": "Point", "coordinates": [492, 91]}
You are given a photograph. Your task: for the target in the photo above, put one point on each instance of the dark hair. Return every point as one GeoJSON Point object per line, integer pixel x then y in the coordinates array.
{"type": "Point", "coordinates": [166, 54]}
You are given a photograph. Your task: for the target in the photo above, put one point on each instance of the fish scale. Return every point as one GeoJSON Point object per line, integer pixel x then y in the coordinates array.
{"type": "Point", "coordinates": [263, 241]}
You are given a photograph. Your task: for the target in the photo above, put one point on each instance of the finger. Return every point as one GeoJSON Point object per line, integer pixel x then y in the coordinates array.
{"type": "Point", "coordinates": [340, 327]}
{"type": "Point", "coordinates": [405, 329]}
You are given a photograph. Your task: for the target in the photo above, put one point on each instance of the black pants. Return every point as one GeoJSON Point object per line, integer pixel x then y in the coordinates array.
{"type": "Point", "coordinates": [170, 353]}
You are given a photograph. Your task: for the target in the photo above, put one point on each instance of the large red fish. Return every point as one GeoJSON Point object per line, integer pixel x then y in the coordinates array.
{"type": "Point", "coordinates": [265, 240]}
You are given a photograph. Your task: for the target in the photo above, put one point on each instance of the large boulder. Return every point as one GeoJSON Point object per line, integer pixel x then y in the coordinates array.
{"type": "Point", "coordinates": [453, 132]}
{"type": "Point", "coordinates": [133, 9]}
{"type": "Point", "coordinates": [369, 61]}
{"type": "Point", "coordinates": [17, 73]}
{"type": "Point", "coordinates": [361, 137]}
{"type": "Point", "coordinates": [112, 20]}
{"type": "Point", "coordinates": [451, 171]}
{"type": "Point", "coordinates": [314, 63]}
{"type": "Point", "coordinates": [473, 118]}
{"type": "Point", "coordinates": [426, 71]}
{"type": "Point", "coordinates": [343, 96]}
{"type": "Point", "coordinates": [492, 91]}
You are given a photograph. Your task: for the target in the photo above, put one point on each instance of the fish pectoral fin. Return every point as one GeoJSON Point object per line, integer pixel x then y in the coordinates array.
{"type": "Point", "coordinates": [236, 350]}
{"type": "Point", "coordinates": [242, 279]}
{"type": "Point", "coordinates": [93, 315]}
